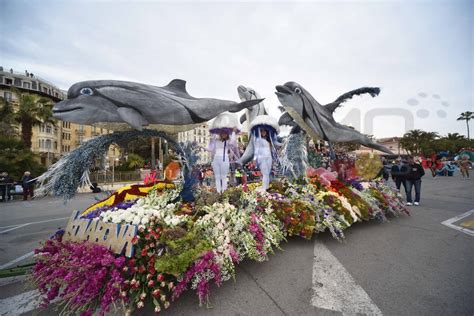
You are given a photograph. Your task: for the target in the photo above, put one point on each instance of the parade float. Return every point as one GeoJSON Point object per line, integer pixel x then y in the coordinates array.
{"type": "Point", "coordinates": [147, 243]}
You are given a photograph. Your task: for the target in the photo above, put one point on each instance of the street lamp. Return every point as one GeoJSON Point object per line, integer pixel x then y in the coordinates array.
{"type": "Point", "coordinates": [113, 169]}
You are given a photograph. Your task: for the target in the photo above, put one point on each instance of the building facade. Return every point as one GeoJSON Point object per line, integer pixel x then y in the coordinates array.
{"type": "Point", "coordinates": [392, 143]}
{"type": "Point", "coordinates": [202, 137]}
{"type": "Point", "coordinates": [49, 141]}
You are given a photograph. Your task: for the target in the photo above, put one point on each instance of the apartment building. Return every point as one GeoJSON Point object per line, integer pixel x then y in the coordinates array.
{"type": "Point", "coordinates": [49, 141]}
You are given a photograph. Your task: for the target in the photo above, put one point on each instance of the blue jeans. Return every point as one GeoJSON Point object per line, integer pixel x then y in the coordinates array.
{"type": "Point", "coordinates": [410, 184]}
{"type": "Point", "coordinates": [399, 182]}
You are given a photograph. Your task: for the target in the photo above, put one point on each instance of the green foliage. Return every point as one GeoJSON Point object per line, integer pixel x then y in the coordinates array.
{"type": "Point", "coordinates": [418, 142]}
{"type": "Point", "coordinates": [8, 126]}
{"type": "Point", "coordinates": [32, 110]}
{"type": "Point", "coordinates": [181, 252]}
{"type": "Point", "coordinates": [135, 161]}
{"type": "Point", "coordinates": [16, 158]}
{"type": "Point", "coordinates": [466, 116]}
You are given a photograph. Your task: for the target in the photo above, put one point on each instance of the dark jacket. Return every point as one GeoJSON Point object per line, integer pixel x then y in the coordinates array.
{"type": "Point", "coordinates": [399, 172]}
{"type": "Point", "coordinates": [415, 172]}
{"type": "Point", "coordinates": [26, 181]}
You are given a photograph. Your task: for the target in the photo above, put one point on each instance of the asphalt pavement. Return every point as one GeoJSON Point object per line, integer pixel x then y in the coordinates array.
{"type": "Point", "coordinates": [411, 265]}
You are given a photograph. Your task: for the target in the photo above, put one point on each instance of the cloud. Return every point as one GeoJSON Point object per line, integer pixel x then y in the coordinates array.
{"type": "Point", "coordinates": [329, 48]}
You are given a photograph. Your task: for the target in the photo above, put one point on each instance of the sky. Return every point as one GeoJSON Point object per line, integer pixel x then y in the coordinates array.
{"type": "Point", "coordinates": [420, 53]}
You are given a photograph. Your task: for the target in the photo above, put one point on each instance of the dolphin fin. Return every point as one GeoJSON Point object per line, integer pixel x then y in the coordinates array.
{"type": "Point", "coordinates": [373, 91]}
{"type": "Point", "coordinates": [243, 118]}
{"type": "Point", "coordinates": [132, 117]}
{"type": "Point", "coordinates": [177, 85]}
{"type": "Point", "coordinates": [286, 119]}
{"type": "Point", "coordinates": [245, 105]}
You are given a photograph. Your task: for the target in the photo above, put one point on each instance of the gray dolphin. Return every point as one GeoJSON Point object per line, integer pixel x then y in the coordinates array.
{"type": "Point", "coordinates": [139, 105]}
{"type": "Point", "coordinates": [317, 120]}
{"type": "Point", "coordinates": [248, 94]}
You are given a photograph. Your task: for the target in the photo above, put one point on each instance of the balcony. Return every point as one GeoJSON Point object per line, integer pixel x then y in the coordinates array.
{"type": "Point", "coordinates": [80, 132]}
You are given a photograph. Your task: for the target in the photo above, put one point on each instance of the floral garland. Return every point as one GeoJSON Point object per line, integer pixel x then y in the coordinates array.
{"type": "Point", "coordinates": [192, 245]}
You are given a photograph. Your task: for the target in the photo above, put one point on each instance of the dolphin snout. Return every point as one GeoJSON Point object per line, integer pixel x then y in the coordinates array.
{"type": "Point", "coordinates": [64, 106]}
{"type": "Point", "coordinates": [283, 90]}
{"type": "Point", "coordinates": [241, 89]}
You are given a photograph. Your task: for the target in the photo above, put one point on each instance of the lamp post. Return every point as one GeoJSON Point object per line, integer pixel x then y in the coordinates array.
{"type": "Point", "coordinates": [113, 169]}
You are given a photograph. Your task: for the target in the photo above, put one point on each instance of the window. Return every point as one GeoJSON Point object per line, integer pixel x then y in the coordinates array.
{"type": "Point", "coordinates": [48, 144]}
{"type": "Point", "coordinates": [8, 81]}
{"type": "Point", "coordinates": [26, 85]}
{"type": "Point", "coordinates": [55, 145]}
{"type": "Point", "coordinates": [45, 90]}
{"type": "Point", "coordinates": [48, 129]}
{"type": "Point", "coordinates": [7, 96]}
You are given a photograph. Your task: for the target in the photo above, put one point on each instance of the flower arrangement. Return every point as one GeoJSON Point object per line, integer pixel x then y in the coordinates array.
{"type": "Point", "coordinates": [183, 245]}
{"type": "Point", "coordinates": [84, 276]}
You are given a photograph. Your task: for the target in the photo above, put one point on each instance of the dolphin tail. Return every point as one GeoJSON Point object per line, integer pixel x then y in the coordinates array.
{"type": "Point", "coordinates": [379, 147]}
{"type": "Point", "coordinates": [243, 118]}
{"type": "Point", "coordinates": [373, 91]}
{"type": "Point", "coordinates": [248, 154]}
{"type": "Point", "coordinates": [245, 105]}
{"type": "Point", "coordinates": [286, 119]}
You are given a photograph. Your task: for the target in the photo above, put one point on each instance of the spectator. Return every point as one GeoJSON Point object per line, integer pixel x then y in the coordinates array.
{"type": "Point", "coordinates": [6, 183]}
{"type": "Point", "coordinates": [399, 172]}
{"type": "Point", "coordinates": [385, 170]}
{"type": "Point", "coordinates": [238, 176]}
{"type": "Point", "coordinates": [28, 185]}
{"type": "Point", "coordinates": [413, 178]}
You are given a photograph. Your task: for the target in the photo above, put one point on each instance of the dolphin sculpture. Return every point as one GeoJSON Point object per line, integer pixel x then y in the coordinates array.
{"type": "Point", "coordinates": [138, 105]}
{"type": "Point", "coordinates": [248, 94]}
{"type": "Point", "coordinates": [317, 120]}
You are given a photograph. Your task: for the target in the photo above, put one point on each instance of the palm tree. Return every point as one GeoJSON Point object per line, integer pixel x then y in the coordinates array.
{"type": "Point", "coordinates": [418, 142]}
{"type": "Point", "coordinates": [454, 137]}
{"type": "Point", "coordinates": [8, 126]}
{"type": "Point", "coordinates": [32, 110]}
{"type": "Point", "coordinates": [466, 116]}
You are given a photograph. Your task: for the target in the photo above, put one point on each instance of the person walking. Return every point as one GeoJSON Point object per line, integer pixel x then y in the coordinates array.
{"type": "Point", "coordinates": [399, 173]}
{"type": "Point", "coordinates": [28, 185]}
{"type": "Point", "coordinates": [413, 179]}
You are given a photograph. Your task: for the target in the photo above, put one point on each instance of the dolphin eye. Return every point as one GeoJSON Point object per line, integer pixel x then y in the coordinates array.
{"type": "Point", "coordinates": [298, 90]}
{"type": "Point", "coordinates": [86, 91]}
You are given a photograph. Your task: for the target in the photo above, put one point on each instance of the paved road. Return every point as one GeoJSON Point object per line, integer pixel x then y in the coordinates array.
{"type": "Point", "coordinates": [409, 266]}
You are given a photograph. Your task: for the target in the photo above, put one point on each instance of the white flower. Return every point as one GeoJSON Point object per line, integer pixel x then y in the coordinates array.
{"type": "Point", "coordinates": [144, 220]}
{"type": "Point", "coordinates": [136, 220]}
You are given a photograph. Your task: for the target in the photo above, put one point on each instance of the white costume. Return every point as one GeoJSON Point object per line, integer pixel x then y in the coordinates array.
{"type": "Point", "coordinates": [263, 157]}
{"type": "Point", "coordinates": [222, 154]}
{"type": "Point", "coordinates": [264, 149]}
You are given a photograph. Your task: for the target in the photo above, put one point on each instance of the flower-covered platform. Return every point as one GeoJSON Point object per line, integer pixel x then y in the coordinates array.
{"type": "Point", "coordinates": [144, 246]}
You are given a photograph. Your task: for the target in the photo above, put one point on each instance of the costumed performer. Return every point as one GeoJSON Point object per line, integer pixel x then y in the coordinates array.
{"type": "Point", "coordinates": [264, 129]}
{"type": "Point", "coordinates": [223, 146]}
